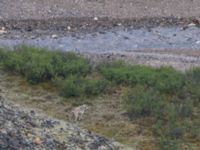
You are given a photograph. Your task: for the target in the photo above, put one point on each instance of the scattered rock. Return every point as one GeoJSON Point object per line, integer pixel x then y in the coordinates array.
{"type": "Point", "coordinates": [96, 18]}
{"type": "Point", "coordinates": [68, 28]}
{"type": "Point", "coordinates": [119, 24]}
{"type": "Point", "coordinates": [29, 135]}
{"type": "Point", "coordinates": [3, 30]}
{"type": "Point", "coordinates": [16, 132]}
{"type": "Point", "coordinates": [191, 25]}
{"type": "Point", "coordinates": [197, 42]}
{"type": "Point", "coordinates": [196, 22]}
{"type": "Point", "coordinates": [37, 141]}
{"type": "Point", "coordinates": [54, 36]}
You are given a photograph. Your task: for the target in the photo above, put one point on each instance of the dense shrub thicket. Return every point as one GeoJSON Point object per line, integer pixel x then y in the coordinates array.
{"type": "Point", "coordinates": [165, 94]}
{"type": "Point", "coordinates": [39, 65]}
{"type": "Point", "coordinates": [168, 96]}
{"type": "Point", "coordinates": [164, 79]}
{"type": "Point", "coordinates": [74, 86]}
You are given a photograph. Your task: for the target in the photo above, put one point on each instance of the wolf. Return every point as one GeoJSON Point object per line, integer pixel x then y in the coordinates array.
{"type": "Point", "coordinates": [78, 112]}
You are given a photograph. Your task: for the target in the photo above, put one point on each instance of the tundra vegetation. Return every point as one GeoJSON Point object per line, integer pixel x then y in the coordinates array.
{"type": "Point", "coordinates": [168, 97]}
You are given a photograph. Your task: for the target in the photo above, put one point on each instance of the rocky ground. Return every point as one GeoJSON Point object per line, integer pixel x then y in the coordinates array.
{"type": "Point", "coordinates": [50, 20]}
{"type": "Point", "coordinates": [28, 130]}
{"type": "Point", "coordinates": [22, 129]}
{"type": "Point", "coordinates": [91, 15]}
{"type": "Point", "coordinates": [40, 9]}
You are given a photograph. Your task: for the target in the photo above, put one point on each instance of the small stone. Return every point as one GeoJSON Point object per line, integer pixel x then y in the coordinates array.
{"type": "Point", "coordinates": [191, 25]}
{"type": "Point", "coordinates": [96, 18]}
{"type": "Point", "coordinates": [3, 131]}
{"type": "Point", "coordinates": [68, 28]}
{"type": "Point", "coordinates": [197, 42]}
{"type": "Point", "coordinates": [102, 148]}
{"type": "Point", "coordinates": [54, 36]}
{"type": "Point", "coordinates": [3, 30]}
{"type": "Point", "coordinates": [119, 24]}
{"type": "Point", "coordinates": [29, 135]}
{"type": "Point", "coordinates": [117, 145]}
{"type": "Point", "coordinates": [32, 112]}
{"type": "Point", "coordinates": [37, 141]}
{"type": "Point", "coordinates": [32, 37]}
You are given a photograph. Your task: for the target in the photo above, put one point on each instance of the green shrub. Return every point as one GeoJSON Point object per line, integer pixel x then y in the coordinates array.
{"type": "Point", "coordinates": [144, 102]}
{"type": "Point", "coordinates": [194, 129]}
{"type": "Point", "coordinates": [71, 87]}
{"type": "Point", "coordinates": [165, 79]}
{"type": "Point", "coordinates": [40, 71]}
{"type": "Point", "coordinates": [68, 63]}
{"type": "Point", "coordinates": [192, 86]}
{"type": "Point", "coordinates": [14, 62]}
{"type": "Point", "coordinates": [194, 75]}
{"type": "Point", "coordinates": [166, 139]}
{"type": "Point", "coordinates": [168, 80]}
{"type": "Point", "coordinates": [74, 86]}
{"type": "Point", "coordinates": [33, 63]}
{"type": "Point", "coordinates": [169, 131]}
{"type": "Point", "coordinates": [39, 64]}
{"type": "Point", "coordinates": [169, 97]}
{"type": "Point", "coordinates": [186, 108]}
{"type": "Point", "coordinates": [131, 75]}
{"type": "Point", "coordinates": [166, 143]}
{"type": "Point", "coordinates": [3, 55]}
{"type": "Point", "coordinates": [173, 128]}
{"type": "Point", "coordinates": [95, 87]}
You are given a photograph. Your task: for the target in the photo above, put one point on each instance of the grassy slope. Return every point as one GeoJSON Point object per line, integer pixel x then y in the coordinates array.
{"type": "Point", "coordinates": [161, 103]}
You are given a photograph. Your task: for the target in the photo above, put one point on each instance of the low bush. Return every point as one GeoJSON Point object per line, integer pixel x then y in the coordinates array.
{"type": "Point", "coordinates": [74, 86]}
{"type": "Point", "coordinates": [192, 85]}
{"type": "Point", "coordinates": [193, 75]}
{"type": "Point", "coordinates": [3, 55]}
{"type": "Point", "coordinates": [165, 79]}
{"type": "Point", "coordinates": [33, 63]}
{"type": "Point", "coordinates": [169, 80]}
{"type": "Point", "coordinates": [169, 97]}
{"type": "Point", "coordinates": [70, 87]}
{"type": "Point", "coordinates": [122, 73]}
{"type": "Point", "coordinates": [68, 63]}
{"type": "Point", "coordinates": [95, 87]}
{"type": "Point", "coordinates": [39, 64]}
{"type": "Point", "coordinates": [143, 102]}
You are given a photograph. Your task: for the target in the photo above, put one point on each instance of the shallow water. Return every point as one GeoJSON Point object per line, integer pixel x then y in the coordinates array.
{"type": "Point", "coordinates": [118, 40]}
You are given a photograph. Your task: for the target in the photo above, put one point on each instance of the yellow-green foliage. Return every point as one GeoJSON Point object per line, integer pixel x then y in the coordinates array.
{"type": "Point", "coordinates": [168, 96]}
{"type": "Point", "coordinates": [74, 86]}
{"type": "Point", "coordinates": [165, 94]}
{"type": "Point", "coordinates": [39, 64]}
